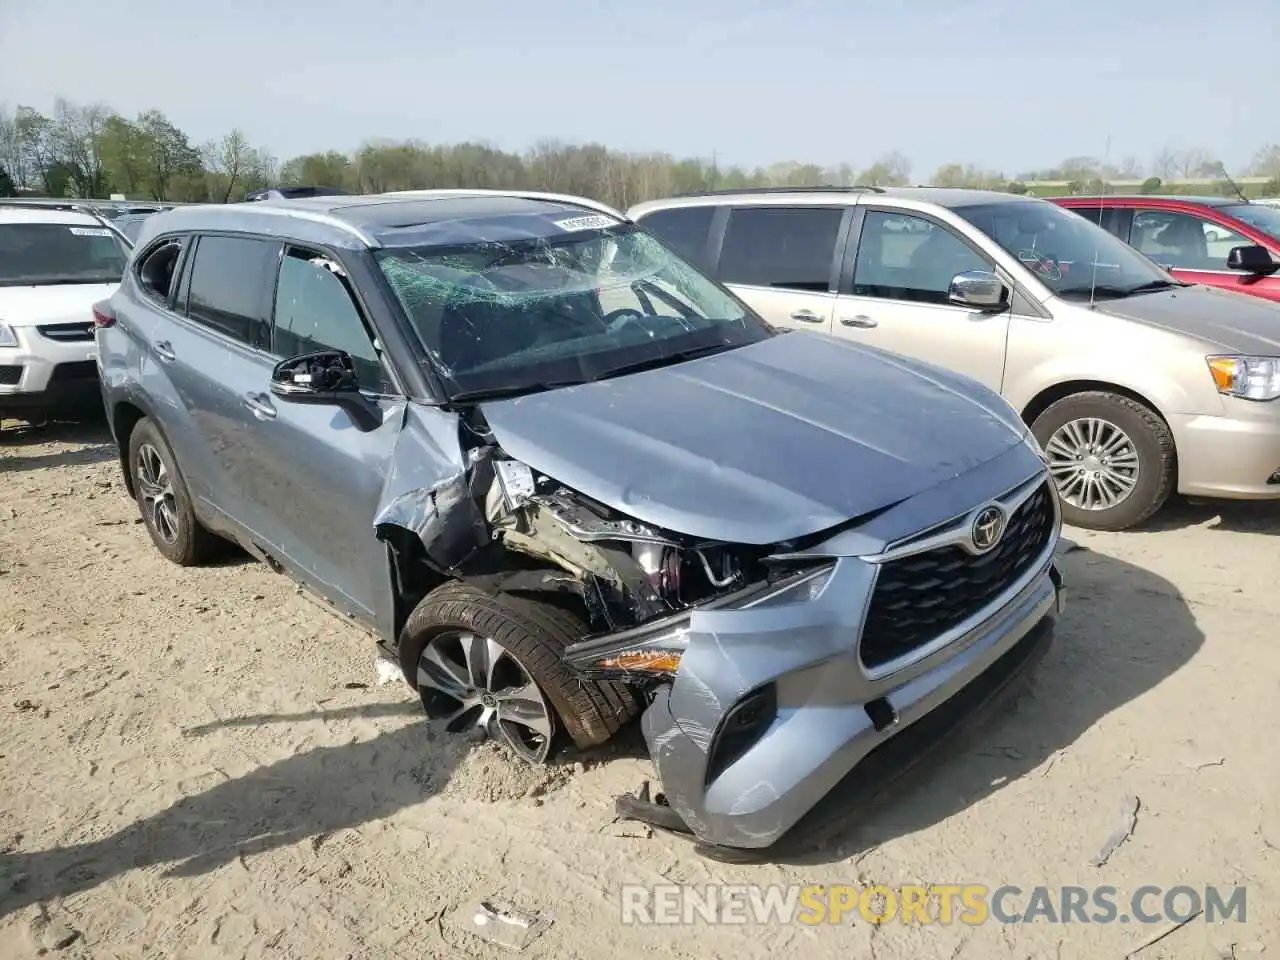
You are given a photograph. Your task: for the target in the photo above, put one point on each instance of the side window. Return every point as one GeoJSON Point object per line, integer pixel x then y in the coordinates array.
{"type": "Point", "coordinates": [1182, 240]}
{"type": "Point", "coordinates": [156, 270]}
{"type": "Point", "coordinates": [314, 311]}
{"type": "Point", "coordinates": [788, 248]}
{"type": "Point", "coordinates": [902, 257]}
{"type": "Point", "coordinates": [683, 229]}
{"type": "Point", "coordinates": [230, 287]}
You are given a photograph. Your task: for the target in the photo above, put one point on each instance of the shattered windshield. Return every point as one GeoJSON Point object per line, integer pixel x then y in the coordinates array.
{"type": "Point", "coordinates": [37, 254]}
{"type": "Point", "coordinates": [503, 318]}
{"type": "Point", "coordinates": [1073, 257]}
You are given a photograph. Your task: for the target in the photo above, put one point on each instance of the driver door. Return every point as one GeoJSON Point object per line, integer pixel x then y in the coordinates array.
{"type": "Point", "coordinates": [319, 474]}
{"type": "Point", "coordinates": [896, 296]}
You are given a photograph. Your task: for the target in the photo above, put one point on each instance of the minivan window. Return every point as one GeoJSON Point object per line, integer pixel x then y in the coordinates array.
{"type": "Point", "coordinates": [230, 287]}
{"type": "Point", "coordinates": [902, 257]}
{"type": "Point", "coordinates": [503, 318]}
{"type": "Point", "coordinates": [683, 229]}
{"type": "Point", "coordinates": [1071, 256]}
{"type": "Point", "coordinates": [788, 248]}
{"type": "Point", "coordinates": [43, 254]}
{"type": "Point", "coordinates": [314, 312]}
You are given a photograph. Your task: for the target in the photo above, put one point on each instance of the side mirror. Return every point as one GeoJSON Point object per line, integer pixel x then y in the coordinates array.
{"type": "Point", "coordinates": [315, 378]}
{"type": "Point", "coordinates": [325, 378]}
{"type": "Point", "coordinates": [1252, 259]}
{"type": "Point", "coordinates": [979, 289]}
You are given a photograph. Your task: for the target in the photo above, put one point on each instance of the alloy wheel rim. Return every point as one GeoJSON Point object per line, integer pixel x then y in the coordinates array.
{"type": "Point", "coordinates": [159, 504]}
{"type": "Point", "coordinates": [1093, 462]}
{"type": "Point", "coordinates": [468, 680]}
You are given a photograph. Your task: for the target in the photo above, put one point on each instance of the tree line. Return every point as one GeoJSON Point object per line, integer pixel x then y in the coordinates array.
{"type": "Point", "coordinates": [90, 150]}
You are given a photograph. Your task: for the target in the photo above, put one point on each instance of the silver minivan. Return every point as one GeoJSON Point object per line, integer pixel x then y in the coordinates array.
{"type": "Point", "coordinates": [1135, 384]}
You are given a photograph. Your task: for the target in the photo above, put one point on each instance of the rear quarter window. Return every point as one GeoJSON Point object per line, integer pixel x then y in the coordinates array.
{"type": "Point", "coordinates": [684, 229]}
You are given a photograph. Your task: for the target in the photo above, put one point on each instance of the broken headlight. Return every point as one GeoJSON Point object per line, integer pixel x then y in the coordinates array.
{"type": "Point", "coordinates": [803, 586]}
{"type": "Point", "coordinates": [653, 650]}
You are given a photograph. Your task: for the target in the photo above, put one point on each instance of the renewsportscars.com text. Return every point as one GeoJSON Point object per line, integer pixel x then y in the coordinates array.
{"type": "Point", "coordinates": [971, 904]}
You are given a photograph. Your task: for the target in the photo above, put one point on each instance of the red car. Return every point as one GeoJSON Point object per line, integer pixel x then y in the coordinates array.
{"type": "Point", "coordinates": [1216, 241]}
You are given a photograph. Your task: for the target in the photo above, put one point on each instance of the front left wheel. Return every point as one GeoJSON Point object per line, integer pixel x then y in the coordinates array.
{"type": "Point", "coordinates": [494, 663]}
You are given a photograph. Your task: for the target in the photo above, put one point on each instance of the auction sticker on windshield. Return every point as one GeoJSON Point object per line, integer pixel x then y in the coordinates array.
{"type": "Point", "coordinates": [586, 223]}
{"type": "Point", "coordinates": [90, 231]}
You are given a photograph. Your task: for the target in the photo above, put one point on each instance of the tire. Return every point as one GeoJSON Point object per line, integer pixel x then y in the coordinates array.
{"type": "Point", "coordinates": [535, 634]}
{"type": "Point", "coordinates": [1149, 439]}
{"type": "Point", "coordinates": [175, 531]}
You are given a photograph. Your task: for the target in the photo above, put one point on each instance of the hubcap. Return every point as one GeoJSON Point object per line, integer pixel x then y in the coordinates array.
{"type": "Point", "coordinates": [467, 680]}
{"type": "Point", "coordinates": [159, 507]}
{"type": "Point", "coordinates": [1093, 462]}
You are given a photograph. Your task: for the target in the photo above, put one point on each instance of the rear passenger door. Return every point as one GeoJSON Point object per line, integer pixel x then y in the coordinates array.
{"type": "Point", "coordinates": [213, 351]}
{"type": "Point", "coordinates": [897, 296]}
{"type": "Point", "coordinates": [784, 261]}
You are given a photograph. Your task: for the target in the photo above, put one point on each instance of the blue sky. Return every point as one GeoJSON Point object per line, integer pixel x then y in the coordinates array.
{"type": "Point", "coordinates": [1008, 84]}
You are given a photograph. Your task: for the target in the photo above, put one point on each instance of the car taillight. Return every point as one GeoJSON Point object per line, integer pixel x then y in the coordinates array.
{"type": "Point", "coordinates": [103, 315]}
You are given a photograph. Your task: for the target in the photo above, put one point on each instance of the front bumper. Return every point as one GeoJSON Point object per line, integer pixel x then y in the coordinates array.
{"type": "Point", "coordinates": [830, 715]}
{"type": "Point", "coordinates": [1234, 457]}
{"type": "Point", "coordinates": [46, 374]}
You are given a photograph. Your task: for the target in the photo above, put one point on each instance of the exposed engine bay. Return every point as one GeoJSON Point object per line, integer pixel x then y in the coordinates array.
{"type": "Point", "coordinates": [627, 573]}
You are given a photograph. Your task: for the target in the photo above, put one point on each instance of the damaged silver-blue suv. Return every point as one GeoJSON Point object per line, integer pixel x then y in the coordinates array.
{"type": "Point", "coordinates": [569, 480]}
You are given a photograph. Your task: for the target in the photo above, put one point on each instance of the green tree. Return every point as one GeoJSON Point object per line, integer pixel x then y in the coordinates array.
{"type": "Point", "coordinates": [1152, 185]}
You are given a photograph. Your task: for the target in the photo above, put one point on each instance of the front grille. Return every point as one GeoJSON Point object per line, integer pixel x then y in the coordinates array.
{"type": "Point", "coordinates": [10, 376]}
{"type": "Point", "coordinates": [78, 370]}
{"type": "Point", "coordinates": [921, 596]}
{"type": "Point", "coordinates": [67, 332]}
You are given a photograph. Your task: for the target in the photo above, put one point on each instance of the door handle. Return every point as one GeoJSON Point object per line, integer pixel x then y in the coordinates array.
{"type": "Point", "coordinates": [861, 320]}
{"type": "Point", "coordinates": [806, 316]}
{"type": "Point", "coordinates": [164, 350]}
{"type": "Point", "coordinates": [260, 406]}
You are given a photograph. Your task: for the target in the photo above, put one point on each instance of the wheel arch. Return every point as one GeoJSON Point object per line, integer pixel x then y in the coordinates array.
{"type": "Point", "coordinates": [125, 417]}
{"type": "Point", "coordinates": [1047, 397]}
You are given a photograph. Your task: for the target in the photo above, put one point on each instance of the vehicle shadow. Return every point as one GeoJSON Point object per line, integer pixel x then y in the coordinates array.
{"type": "Point", "coordinates": [311, 794]}
{"type": "Point", "coordinates": [1124, 631]}
{"type": "Point", "coordinates": [1233, 516]}
{"type": "Point", "coordinates": [16, 438]}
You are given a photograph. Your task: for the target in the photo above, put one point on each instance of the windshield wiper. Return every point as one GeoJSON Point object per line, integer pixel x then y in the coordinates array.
{"type": "Point", "coordinates": [1109, 290]}
{"type": "Point", "coordinates": [666, 360]}
{"type": "Point", "coordinates": [514, 390]}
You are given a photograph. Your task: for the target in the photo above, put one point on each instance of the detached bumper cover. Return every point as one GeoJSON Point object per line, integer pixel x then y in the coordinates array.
{"type": "Point", "coordinates": [823, 730]}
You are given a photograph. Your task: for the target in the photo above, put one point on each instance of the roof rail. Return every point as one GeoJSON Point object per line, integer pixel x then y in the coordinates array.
{"type": "Point", "coordinates": [584, 202]}
{"type": "Point", "coordinates": [767, 190]}
{"type": "Point", "coordinates": [280, 208]}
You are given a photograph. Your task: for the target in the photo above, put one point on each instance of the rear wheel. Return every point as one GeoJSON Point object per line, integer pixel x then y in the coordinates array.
{"type": "Point", "coordinates": [163, 499]}
{"type": "Point", "coordinates": [493, 663]}
{"type": "Point", "coordinates": [1111, 457]}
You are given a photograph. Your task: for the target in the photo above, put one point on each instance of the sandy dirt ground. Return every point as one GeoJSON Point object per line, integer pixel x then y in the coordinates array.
{"type": "Point", "coordinates": [201, 763]}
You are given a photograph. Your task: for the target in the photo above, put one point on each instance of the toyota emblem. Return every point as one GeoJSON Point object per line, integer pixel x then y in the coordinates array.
{"type": "Point", "coordinates": [988, 527]}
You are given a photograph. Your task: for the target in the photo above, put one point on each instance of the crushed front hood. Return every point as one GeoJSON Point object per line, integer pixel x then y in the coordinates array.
{"type": "Point", "coordinates": [762, 444]}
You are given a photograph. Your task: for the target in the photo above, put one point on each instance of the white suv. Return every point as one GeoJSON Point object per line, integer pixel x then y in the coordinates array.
{"type": "Point", "coordinates": [55, 263]}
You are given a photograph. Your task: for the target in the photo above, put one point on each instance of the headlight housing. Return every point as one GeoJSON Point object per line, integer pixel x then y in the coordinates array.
{"type": "Point", "coordinates": [1250, 378]}
{"type": "Point", "coordinates": [656, 649]}
{"type": "Point", "coordinates": [7, 337]}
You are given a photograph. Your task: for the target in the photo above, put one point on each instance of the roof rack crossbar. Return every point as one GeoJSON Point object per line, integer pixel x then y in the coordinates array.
{"type": "Point", "coordinates": [768, 190]}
